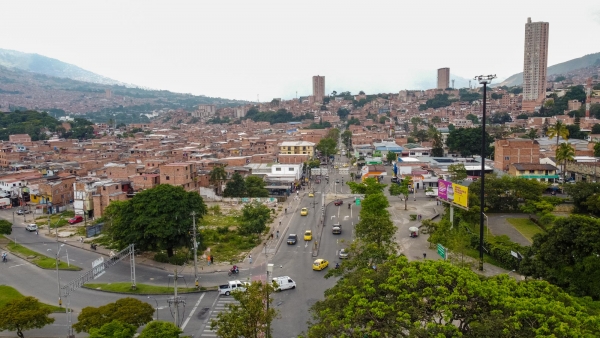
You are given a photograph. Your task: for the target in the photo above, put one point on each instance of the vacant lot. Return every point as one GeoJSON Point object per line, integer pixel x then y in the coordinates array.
{"type": "Point", "coordinates": [526, 227]}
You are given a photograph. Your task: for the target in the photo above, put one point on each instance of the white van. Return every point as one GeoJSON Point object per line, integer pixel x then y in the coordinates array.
{"type": "Point", "coordinates": [284, 283]}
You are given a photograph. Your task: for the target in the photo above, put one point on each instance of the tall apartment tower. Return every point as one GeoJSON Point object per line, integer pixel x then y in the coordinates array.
{"type": "Point", "coordinates": [535, 64]}
{"type": "Point", "coordinates": [443, 78]}
{"type": "Point", "coordinates": [318, 88]}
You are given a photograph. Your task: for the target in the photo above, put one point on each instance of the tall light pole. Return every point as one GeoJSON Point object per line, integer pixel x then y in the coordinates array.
{"type": "Point", "coordinates": [58, 247]}
{"type": "Point", "coordinates": [484, 80]}
{"type": "Point", "coordinates": [156, 306]}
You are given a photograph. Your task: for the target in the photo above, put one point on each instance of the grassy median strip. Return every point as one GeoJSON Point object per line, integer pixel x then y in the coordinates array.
{"type": "Point", "coordinates": [141, 289]}
{"type": "Point", "coordinates": [38, 259]}
{"type": "Point", "coordinates": [8, 293]}
{"type": "Point", "coordinates": [526, 227]}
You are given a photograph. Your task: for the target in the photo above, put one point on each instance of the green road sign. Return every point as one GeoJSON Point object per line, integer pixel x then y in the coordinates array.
{"type": "Point", "coordinates": [441, 251]}
{"type": "Point", "coordinates": [357, 201]}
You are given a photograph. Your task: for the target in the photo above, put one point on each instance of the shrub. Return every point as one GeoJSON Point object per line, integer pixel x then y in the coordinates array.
{"type": "Point", "coordinates": [413, 217]}
{"type": "Point", "coordinates": [546, 220]}
{"type": "Point", "coordinates": [161, 257]}
{"type": "Point", "coordinates": [222, 230]}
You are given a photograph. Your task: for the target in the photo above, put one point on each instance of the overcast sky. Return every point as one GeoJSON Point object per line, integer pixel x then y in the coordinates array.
{"type": "Point", "coordinates": [241, 49]}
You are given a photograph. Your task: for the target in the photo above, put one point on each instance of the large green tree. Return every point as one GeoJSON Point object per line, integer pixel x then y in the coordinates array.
{"type": "Point", "coordinates": [248, 317]}
{"type": "Point", "coordinates": [255, 187]}
{"type": "Point", "coordinates": [467, 141]}
{"type": "Point", "coordinates": [125, 310]}
{"type": "Point", "coordinates": [347, 139]}
{"type": "Point", "coordinates": [367, 187]}
{"type": "Point", "coordinates": [114, 329]}
{"type": "Point", "coordinates": [236, 187]}
{"type": "Point", "coordinates": [567, 255]}
{"type": "Point", "coordinates": [160, 329]}
{"type": "Point", "coordinates": [327, 146]}
{"type": "Point", "coordinates": [506, 193]}
{"type": "Point", "coordinates": [458, 172]}
{"type": "Point", "coordinates": [433, 298]}
{"type": "Point", "coordinates": [154, 219]}
{"type": "Point", "coordinates": [24, 314]}
{"type": "Point", "coordinates": [583, 194]}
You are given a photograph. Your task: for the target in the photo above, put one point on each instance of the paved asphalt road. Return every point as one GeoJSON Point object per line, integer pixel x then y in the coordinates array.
{"type": "Point", "coordinates": [289, 260]}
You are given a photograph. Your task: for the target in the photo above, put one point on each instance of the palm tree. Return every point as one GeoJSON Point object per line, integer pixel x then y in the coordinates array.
{"type": "Point", "coordinates": [558, 130]}
{"type": "Point", "coordinates": [217, 175]}
{"type": "Point", "coordinates": [565, 152]}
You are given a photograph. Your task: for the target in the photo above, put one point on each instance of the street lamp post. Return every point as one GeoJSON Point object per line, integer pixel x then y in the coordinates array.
{"type": "Point", "coordinates": [58, 247]}
{"type": "Point", "coordinates": [484, 80]}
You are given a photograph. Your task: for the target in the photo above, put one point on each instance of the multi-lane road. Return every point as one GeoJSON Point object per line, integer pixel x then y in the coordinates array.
{"type": "Point", "coordinates": [289, 260]}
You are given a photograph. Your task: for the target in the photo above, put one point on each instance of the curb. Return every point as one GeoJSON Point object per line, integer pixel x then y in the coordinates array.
{"type": "Point", "coordinates": [39, 255]}
{"type": "Point", "coordinates": [150, 294]}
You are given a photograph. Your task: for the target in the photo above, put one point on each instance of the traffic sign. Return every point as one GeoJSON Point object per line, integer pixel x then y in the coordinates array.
{"type": "Point", "coordinates": [358, 202]}
{"type": "Point", "coordinates": [441, 251]}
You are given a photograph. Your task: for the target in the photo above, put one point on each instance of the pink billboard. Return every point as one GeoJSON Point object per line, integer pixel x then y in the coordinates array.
{"type": "Point", "coordinates": [443, 187]}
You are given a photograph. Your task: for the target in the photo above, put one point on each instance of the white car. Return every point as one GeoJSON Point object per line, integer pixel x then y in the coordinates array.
{"type": "Point", "coordinates": [283, 283]}
{"type": "Point", "coordinates": [31, 227]}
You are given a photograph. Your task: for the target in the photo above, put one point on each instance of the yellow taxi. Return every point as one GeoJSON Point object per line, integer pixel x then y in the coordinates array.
{"type": "Point", "coordinates": [320, 264]}
{"type": "Point", "coordinates": [308, 235]}
{"type": "Point", "coordinates": [335, 167]}
{"type": "Point", "coordinates": [345, 165]}
{"type": "Point", "coordinates": [304, 212]}
{"type": "Point", "coordinates": [311, 194]}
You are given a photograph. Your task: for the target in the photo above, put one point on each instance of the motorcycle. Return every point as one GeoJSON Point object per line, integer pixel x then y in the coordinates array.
{"type": "Point", "coordinates": [93, 246]}
{"type": "Point", "coordinates": [233, 271]}
{"type": "Point", "coordinates": [348, 205]}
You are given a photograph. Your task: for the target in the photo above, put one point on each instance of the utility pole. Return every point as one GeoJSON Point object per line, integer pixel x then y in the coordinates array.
{"type": "Point", "coordinates": [195, 249]}
{"type": "Point", "coordinates": [176, 301]}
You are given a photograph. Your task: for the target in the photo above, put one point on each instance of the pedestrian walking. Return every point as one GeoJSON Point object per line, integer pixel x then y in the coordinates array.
{"type": "Point", "coordinates": [271, 235]}
{"type": "Point", "coordinates": [212, 259]}
{"type": "Point", "coordinates": [208, 259]}
{"type": "Point", "coordinates": [37, 232]}
{"type": "Point", "coordinates": [424, 255]}
{"type": "Point", "coordinates": [250, 258]}
{"type": "Point", "coordinates": [277, 234]}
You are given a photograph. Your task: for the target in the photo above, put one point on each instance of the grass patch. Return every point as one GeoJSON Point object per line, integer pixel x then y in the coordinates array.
{"type": "Point", "coordinates": [55, 219]}
{"type": "Point", "coordinates": [220, 220]}
{"type": "Point", "coordinates": [8, 293]}
{"type": "Point", "coordinates": [125, 287]}
{"type": "Point", "coordinates": [227, 246]}
{"type": "Point", "coordinates": [40, 260]}
{"type": "Point", "coordinates": [526, 227]}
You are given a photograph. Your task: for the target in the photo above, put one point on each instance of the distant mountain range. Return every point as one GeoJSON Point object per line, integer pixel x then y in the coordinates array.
{"type": "Point", "coordinates": [561, 68]}
{"type": "Point", "coordinates": [32, 81]}
{"type": "Point", "coordinates": [40, 64]}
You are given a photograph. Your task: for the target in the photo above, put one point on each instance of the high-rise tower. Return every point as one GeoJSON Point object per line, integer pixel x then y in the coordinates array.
{"type": "Point", "coordinates": [443, 78]}
{"type": "Point", "coordinates": [535, 63]}
{"type": "Point", "coordinates": [318, 88]}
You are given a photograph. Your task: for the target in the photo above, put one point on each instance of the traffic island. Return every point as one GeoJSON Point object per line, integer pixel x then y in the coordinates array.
{"type": "Point", "coordinates": [143, 289]}
{"type": "Point", "coordinates": [37, 259]}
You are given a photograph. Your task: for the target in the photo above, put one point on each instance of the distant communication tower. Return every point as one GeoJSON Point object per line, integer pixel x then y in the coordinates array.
{"type": "Point", "coordinates": [588, 99]}
{"type": "Point", "coordinates": [452, 83]}
{"type": "Point", "coordinates": [469, 84]}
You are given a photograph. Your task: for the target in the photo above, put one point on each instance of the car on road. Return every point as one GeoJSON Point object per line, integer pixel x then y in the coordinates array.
{"type": "Point", "coordinates": [320, 264]}
{"type": "Point", "coordinates": [76, 219]}
{"type": "Point", "coordinates": [337, 181]}
{"type": "Point", "coordinates": [31, 227]}
{"type": "Point", "coordinates": [23, 212]}
{"type": "Point", "coordinates": [311, 194]}
{"type": "Point", "coordinates": [337, 229]}
{"type": "Point", "coordinates": [308, 235]}
{"type": "Point", "coordinates": [345, 165]}
{"type": "Point", "coordinates": [304, 212]}
{"type": "Point", "coordinates": [343, 254]}
{"type": "Point", "coordinates": [337, 203]}
{"type": "Point", "coordinates": [335, 167]}
{"type": "Point", "coordinates": [292, 239]}
{"type": "Point", "coordinates": [284, 283]}
{"type": "Point", "coordinates": [235, 285]}
{"type": "Point", "coordinates": [395, 179]}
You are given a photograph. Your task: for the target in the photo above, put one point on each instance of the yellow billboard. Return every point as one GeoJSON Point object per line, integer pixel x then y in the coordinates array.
{"type": "Point", "coordinates": [461, 195]}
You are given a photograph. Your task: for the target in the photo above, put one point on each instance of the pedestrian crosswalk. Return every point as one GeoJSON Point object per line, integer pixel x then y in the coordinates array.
{"type": "Point", "coordinates": [221, 305]}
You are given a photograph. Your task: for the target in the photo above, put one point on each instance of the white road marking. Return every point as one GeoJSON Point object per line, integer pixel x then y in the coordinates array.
{"type": "Point", "coordinates": [14, 266]}
{"type": "Point", "coordinates": [192, 312]}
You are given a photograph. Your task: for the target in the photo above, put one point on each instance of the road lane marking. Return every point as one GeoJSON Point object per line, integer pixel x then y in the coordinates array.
{"type": "Point", "coordinates": [14, 266]}
{"type": "Point", "coordinates": [192, 313]}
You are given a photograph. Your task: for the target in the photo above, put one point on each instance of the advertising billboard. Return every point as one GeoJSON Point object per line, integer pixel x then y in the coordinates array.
{"type": "Point", "coordinates": [453, 192]}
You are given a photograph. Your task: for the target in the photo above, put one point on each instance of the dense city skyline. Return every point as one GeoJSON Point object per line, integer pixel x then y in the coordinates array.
{"type": "Point", "coordinates": [243, 50]}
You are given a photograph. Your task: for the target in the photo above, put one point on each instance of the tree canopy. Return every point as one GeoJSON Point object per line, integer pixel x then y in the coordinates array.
{"type": "Point", "coordinates": [24, 314]}
{"type": "Point", "coordinates": [154, 219]}
{"type": "Point", "coordinates": [114, 329]}
{"type": "Point", "coordinates": [327, 146]}
{"type": "Point", "coordinates": [254, 218]}
{"type": "Point", "coordinates": [125, 310]}
{"type": "Point", "coordinates": [160, 329]}
{"type": "Point", "coordinates": [467, 141]}
{"type": "Point", "coordinates": [280, 116]}
{"type": "Point", "coordinates": [433, 298]}
{"type": "Point", "coordinates": [249, 317]}
{"type": "Point", "coordinates": [5, 227]}
{"type": "Point", "coordinates": [566, 255]}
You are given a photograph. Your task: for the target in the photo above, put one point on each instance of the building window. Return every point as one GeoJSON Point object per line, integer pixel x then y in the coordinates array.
{"type": "Point", "coordinates": [291, 169]}
{"type": "Point", "coordinates": [532, 171]}
{"type": "Point", "coordinates": [506, 158]}
{"type": "Point", "coordinates": [277, 169]}
{"type": "Point", "coordinates": [167, 178]}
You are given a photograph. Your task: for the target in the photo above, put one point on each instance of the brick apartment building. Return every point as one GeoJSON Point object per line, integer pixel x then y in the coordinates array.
{"type": "Point", "coordinates": [512, 151]}
{"type": "Point", "coordinates": [182, 174]}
